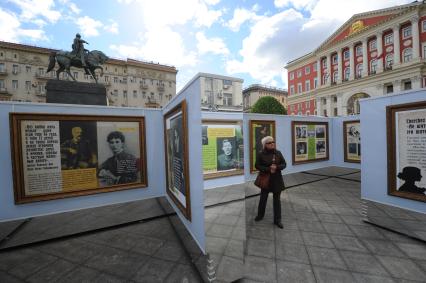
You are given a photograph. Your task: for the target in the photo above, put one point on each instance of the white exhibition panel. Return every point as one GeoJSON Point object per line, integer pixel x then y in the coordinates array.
{"type": "Point", "coordinates": [191, 93]}
{"type": "Point", "coordinates": [230, 180]}
{"type": "Point", "coordinates": [374, 149]}
{"type": "Point", "coordinates": [154, 150]}
{"type": "Point", "coordinates": [283, 141]}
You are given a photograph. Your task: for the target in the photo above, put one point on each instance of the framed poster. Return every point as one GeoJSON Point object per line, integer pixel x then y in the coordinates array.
{"type": "Point", "coordinates": [57, 156]}
{"type": "Point", "coordinates": [258, 130]}
{"type": "Point", "coordinates": [352, 141]}
{"type": "Point", "coordinates": [309, 141]}
{"type": "Point", "coordinates": [223, 148]}
{"type": "Point", "coordinates": [176, 148]}
{"type": "Point", "coordinates": [406, 134]}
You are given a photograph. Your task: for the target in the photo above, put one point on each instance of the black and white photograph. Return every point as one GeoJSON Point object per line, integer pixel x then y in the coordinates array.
{"type": "Point", "coordinates": [311, 133]}
{"type": "Point", "coordinates": [204, 136]}
{"type": "Point", "coordinates": [118, 153]}
{"type": "Point", "coordinates": [301, 132]}
{"type": "Point", "coordinates": [352, 148]}
{"type": "Point", "coordinates": [320, 132]}
{"type": "Point", "coordinates": [78, 144]}
{"type": "Point", "coordinates": [301, 148]}
{"type": "Point", "coordinates": [226, 154]}
{"type": "Point", "coordinates": [320, 146]}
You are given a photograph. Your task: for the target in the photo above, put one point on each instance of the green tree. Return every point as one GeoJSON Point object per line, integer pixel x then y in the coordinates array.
{"type": "Point", "coordinates": [268, 105]}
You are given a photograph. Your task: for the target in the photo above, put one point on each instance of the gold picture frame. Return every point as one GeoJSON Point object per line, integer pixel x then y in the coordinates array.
{"type": "Point", "coordinates": [230, 134]}
{"type": "Point", "coordinates": [257, 130]}
{"type": "Point", "coordinates": [351, 149]}
{"type": "Point", "coordinates": [401, 129]}
{"type": "Point", "coordinates": [61, 155]}
{"type": "Point", "coordinates": [177, 158]}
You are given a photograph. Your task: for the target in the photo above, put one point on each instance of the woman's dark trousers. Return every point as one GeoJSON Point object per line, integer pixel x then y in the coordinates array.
{"type": "Point", "coordinates": [276, 204]}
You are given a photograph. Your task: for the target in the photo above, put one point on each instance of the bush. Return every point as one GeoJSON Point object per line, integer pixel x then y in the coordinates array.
{"type": "Point", "coordinates": [268, 105]}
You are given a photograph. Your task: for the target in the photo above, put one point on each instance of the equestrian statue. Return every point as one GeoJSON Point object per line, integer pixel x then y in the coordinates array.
{"type": "Point", "coordinates": [79, 57]}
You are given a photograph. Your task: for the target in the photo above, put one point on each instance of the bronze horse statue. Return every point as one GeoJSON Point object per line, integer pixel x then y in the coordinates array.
{"type": "Point", "coordinates": [66, 60]}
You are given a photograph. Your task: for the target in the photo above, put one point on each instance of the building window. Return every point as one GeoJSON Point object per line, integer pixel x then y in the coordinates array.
{"type": "Point", "coordinates": [2, 85]}
{"type": "Point", "coordinates": [27, 85]}
{"type": "Point", "coordinates": [359, 69]}
{"type": "Point", "coordinates": [227, 99]}
{"type": "Point", "coordinates": [76, 75]}
{"type": "Point", "coordinates": [41, 72]}
{"type": "Point", "coordinates": [125, 93]}
{"type": "Point", "coordinates": [373, 66]}
{"type": "Point", "coordinates": [335, 77]}
{"type": "Point", "coordinates": [227, 82]}
{"type": "Point", "coordinates": [291, 89]}
{"type": "Point", "coordinates": [307, 85]}
{"type": "Point", "coordinates": [389, 39]}
{"type": "Point", "coordinates": [424, 51]}
{"type": "Point", "coordinates": [106, 78]}
{"type": "Point", "coordinates": [334, 59]}
{"type": "Point", "coordinates": [299, 73]}
{"type": "Point", "coordinates": [335, 99]}
{"type": "Point", "coordinates": [346, 54]}
{"type": "Point", "coordinates": [335, 111]}
{"type": "Point", "coordinates": [315, 66]}
{"type": "Point", "coordinates": [115, 79]}
{"type": "Point", "coordinates": [135, 94]}
{"type": "Point", "coordinates": [124, 80]}
{"type": "Point", "coordinates": [389, 88]}
{"type": "Point", "coordinates": [15, 84]}
{"type": "Point", "coordinates": [373, 45]}
{"type": "Point", "coordinates": [324, 63]}
{"type": "Point", "coordinates": [15, 69]}
{"type": "Point", "coordinates": [28, 69]}
{"type": "Point", "coordinates": [358, 50]}
{"type": "Point", "coordinates": [389, 61]}
{"type": "Point", "coordinates": [291, 76]}
{"type": "Point", "coordinates": [406, 32]}
{"type": "Point", "coordinates": [307, 70]}
{"type": "Point", "coordinates": [407, 85]}
{"type": "Point", "coordinates": [143, 94]}
{"type": "Point", "coordinates": [2, 67]}
{"type": "Point", "coordinates": [308, 104]}
{"type": "Point", "coordinates": [407, 55]}
{"type": "Point", "coordinates": [347, 73]}
{"type": "Point", "coordinates": [325, 78]}
{"type": "Point", "coordinates": [299, 88]}
{"type": "Point", "coordinates": [315, 82]}
{"type": "Point", "coordinates": [423, 26]}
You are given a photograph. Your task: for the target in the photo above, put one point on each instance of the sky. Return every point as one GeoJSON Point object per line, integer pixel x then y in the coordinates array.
{"type": "Point", "coordinates": [251, 40]}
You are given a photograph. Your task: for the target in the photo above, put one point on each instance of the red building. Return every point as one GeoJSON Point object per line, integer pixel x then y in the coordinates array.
{"type": "Point", "coordinates": [372, 54]}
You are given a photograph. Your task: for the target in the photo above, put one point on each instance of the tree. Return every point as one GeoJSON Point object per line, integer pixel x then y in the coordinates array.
{"type": "Point", "coordinates": [268, 105]}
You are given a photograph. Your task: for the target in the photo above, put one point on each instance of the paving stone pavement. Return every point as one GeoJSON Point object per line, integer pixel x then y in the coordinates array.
{"type": "Point", "coordinates": [144, 252]}
{"type": "Point", "coordinates": [325, 239]}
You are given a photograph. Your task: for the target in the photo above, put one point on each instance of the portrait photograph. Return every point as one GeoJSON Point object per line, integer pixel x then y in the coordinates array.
{"type": "Point", "coordinates": [320, 146]}
{"type": "Point", "coordinates": [320, 132]}
{"type": "Point", "coordinates": [78, 144]}
{"type": "Point", "coordinates": [119, 153]}
{"type": "Point", "coordinates": [301, 132]}
{"type": "Point", "coordinates": [226, 154]}
{"type": "Point", "coordinates": [301, 148]}
{"type": "Point", "coordinates": [177, 162]}
{"type": "Point", "coordinates": [258, 130]}
{"type": "Point", "coordinates": [352, 148]}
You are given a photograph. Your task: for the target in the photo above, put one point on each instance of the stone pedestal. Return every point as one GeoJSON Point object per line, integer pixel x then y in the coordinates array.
{"type": "Point", "coordinates": [70, 92]}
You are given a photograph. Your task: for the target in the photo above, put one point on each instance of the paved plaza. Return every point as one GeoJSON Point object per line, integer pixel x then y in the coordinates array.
{"type": "Point", "coordinates": [324, 240]}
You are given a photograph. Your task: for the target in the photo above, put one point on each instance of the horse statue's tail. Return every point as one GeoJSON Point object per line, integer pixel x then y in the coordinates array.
{"type": "Point", "coordinates": [52, 61]}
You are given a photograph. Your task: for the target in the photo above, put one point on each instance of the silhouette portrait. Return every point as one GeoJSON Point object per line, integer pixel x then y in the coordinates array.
{"type": "Point", "coordinates": [410, 175]}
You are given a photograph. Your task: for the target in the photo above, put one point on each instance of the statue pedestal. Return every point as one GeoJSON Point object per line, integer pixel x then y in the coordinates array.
{"type": "Point", "coordinates": [70, 92]}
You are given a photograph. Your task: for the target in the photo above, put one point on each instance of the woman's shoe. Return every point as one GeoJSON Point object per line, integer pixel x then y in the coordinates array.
{"type": "Point", "coordinates": [280, 225]}
{"type": "Point", "coordinates": [258, 218]}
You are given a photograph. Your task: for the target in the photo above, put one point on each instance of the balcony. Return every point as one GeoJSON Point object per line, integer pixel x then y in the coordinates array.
{"type": "Point", "coordinates": [44, 76]}
{"type": "Point", "coordinates": [41, 93]}
{"type": "Point", "coordinates": [152, 103]}
{"type": "Point", "coordinates": [3, 72]}
{"type": "Point", "coordinates": [106, 83]}
{"type": "Point", "coordinates": [4, 91]}
{"type": "Point", "coordinates": [160, 87]}
{"type": "Point", "coordinates": [143, 85]}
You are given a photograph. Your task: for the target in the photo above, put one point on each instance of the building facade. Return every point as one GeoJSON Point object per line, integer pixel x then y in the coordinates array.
{"type": "Point", "coordinates": [220, 93]}
{"type": "Point", "coordinates": [252, 94]}
{"type": "Point", "coordinates": [372, 54]}
{"type": "Point", "coordinates": [128, 82]}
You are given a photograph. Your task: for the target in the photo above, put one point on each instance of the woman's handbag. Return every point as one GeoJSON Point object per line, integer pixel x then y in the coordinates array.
{"type": "Point", "coordinates": [262, 180]}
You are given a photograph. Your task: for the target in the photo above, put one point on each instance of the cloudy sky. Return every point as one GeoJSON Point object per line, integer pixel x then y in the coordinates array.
{"type": "Point", "coordinates": [252, 40]}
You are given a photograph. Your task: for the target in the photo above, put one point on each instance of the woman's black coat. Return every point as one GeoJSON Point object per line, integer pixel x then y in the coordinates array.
{"type": "Point", "coordinates": [264, 160]}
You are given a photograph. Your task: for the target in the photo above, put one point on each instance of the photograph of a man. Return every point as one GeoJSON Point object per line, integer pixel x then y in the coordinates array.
{"type": "Point", "coordinates": [226, 154]}
{"type": "Point", "coordinates": [261, 131]}
{"type": "Point", "coordinates": [301, 132]}
{"type": "Point", "coordinates": [78, 145]}
{"type": "Point", "coordinates": [122, 167]}
{"type": "Point", "coordinates": [176, 129]}
{"type": "Point", "coordinates": [301, 148]}
{"type": "Point", "coordinates": [320, 132]}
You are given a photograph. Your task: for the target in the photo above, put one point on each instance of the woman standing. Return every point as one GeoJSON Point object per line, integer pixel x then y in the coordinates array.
{"type": "Point", "coordinates": [271, 161]}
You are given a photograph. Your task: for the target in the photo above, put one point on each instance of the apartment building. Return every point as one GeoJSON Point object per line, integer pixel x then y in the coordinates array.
{"type": "Point", "coordinates": [252, 94]}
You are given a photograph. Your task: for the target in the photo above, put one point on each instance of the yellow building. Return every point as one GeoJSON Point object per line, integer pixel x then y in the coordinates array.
{"type": "Point", "coordinates": [128, 82]}
{"type": "Point", "coordinates": [254, 92]}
